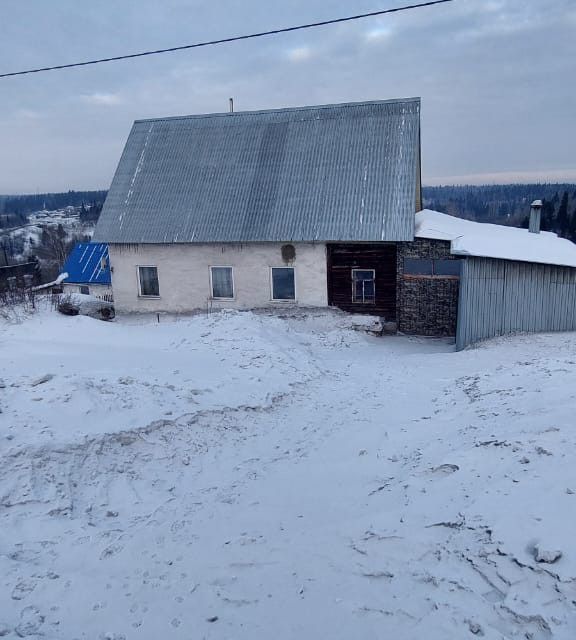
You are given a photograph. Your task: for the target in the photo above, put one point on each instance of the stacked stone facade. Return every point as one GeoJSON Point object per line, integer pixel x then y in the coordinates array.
{"type": "Point", "coordinates": [426, 305]}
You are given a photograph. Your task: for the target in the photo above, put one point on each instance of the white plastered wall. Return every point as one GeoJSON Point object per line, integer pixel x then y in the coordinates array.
{"type": "Point", "coordinates": [94, 289]}
{"type": "Point", "coordinates": [184, 275]}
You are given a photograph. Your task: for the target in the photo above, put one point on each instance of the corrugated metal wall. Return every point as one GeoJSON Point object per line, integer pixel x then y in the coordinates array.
{"type": "Point", "coordinates": [500, 296]}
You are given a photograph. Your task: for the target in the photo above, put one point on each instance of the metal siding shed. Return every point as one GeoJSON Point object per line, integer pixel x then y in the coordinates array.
{"type": "Point", "coordinates": [499, 297]}
{"type": "Point", "coordinates": [347, 172]}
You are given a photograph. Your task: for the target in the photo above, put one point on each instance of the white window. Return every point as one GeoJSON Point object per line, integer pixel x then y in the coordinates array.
{"type": "Point", "coordinates": [222, 283]}
{"type": "Point", "coordinates": [283, 284]}
{"type": "Point", "coordinates": [363, 286]}
{"type": "Point", "coordinates": [148, 281]}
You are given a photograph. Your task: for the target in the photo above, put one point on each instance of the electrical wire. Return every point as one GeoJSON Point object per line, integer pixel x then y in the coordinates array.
{"type": "Point", "coordinates": [208, 43]}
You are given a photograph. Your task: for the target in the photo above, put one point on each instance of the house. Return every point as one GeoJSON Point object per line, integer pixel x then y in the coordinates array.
{"type": "Point", "coordinates": [303, 206]}
{"type": "Point", "coordinates": [314, 206]}
{"type": "Point", "coordinates": [87, 270]}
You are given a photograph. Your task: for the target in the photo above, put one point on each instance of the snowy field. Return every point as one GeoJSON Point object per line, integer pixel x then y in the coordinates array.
{"type": "Point", "coordinates": [242, 476]}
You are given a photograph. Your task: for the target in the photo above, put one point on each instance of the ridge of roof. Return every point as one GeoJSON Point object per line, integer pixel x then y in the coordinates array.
{"type": "Point", "coordinates": [319, 107]}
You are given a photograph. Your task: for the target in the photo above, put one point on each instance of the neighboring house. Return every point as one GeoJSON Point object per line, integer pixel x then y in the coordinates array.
{"type": "Point", "coordinates": [312, 206]}
{"type": "Point", "coordinates": [19, 276]}
{"type": "Point", "coordinates": [87, 270]}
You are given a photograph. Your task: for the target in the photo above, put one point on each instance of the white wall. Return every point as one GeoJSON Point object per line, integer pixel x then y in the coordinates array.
{"type": "Point", "coordinates": [96, 290]}
{"type": "Point", "coordinates": [184, 278]}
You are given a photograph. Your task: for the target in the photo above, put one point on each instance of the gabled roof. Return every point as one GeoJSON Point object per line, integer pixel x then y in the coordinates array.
{"type": "Point", "coordinates": [88, 263]}
{"type": "Point", "coordinates": [468, 238]}
{"type": "Point", "coordinates": [332, 172]}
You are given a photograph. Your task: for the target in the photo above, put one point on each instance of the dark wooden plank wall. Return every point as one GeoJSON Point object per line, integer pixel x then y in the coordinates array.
{"type": "Point", "coordinates": [342, 258]}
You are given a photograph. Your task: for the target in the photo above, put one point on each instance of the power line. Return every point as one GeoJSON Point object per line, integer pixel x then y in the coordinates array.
{"type": "Point", "coordinates": [208, 43]}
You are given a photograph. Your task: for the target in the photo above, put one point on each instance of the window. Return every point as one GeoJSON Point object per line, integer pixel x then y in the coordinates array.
{"type": "Point", "coordinates": [418, 267]}
{"type": "Point", "coordinates": [28, 280]}
{"type": "Point", "coordinates": [84, 289]}
{"type": "Point", "coordinates": [222, 283]}
{"type": "Point", "coordinates": [363, 286]}
{"type": "Point", "coordinates": [148, 281]}
{"type": "Point", "coordinates": [446, 267]}
{"type": "Point", "coordinates": [283, 286]}
{"type": "Point", "coordinates": [11, 282]}
{"type": "Point", "coordinates": [428, 267]}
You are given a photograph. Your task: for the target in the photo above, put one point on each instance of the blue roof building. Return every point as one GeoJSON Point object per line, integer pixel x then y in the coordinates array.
{"type": "Point", "coordinates": [88, 264]}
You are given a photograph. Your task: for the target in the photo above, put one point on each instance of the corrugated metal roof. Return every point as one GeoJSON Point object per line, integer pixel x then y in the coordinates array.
{"type": "Point", "coordinates": [88, 263]}
{"type": "Point", "coordinates": [327, 173]}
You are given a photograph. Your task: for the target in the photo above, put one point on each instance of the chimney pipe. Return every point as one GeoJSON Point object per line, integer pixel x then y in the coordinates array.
{"type": "Point", "coordinates": [535, 207]}
{"type": "Point", "coordinates": [231, 101]}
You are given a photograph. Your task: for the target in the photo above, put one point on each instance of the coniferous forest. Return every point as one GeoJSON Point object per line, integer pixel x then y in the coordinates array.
{"type": "Point", "coordinates": [508, 204]}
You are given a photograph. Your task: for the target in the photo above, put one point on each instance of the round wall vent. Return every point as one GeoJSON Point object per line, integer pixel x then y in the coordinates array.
{"type": "Point", "coordinates": [288, 252]}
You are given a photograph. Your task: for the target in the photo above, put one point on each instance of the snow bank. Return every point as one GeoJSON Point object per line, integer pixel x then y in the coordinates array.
{"type": "Point", "coordinates": [107, 378]}
{"type": "Point", "coordinates": [284, 478]}
{"type": "Point", "coordinates": [495, 241]}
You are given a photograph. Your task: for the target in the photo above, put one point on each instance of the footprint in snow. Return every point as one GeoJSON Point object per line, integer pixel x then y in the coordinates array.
{"type": "Point", "coordinates": [444, 470]}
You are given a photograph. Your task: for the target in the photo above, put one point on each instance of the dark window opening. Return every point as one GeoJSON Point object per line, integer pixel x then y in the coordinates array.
{"type": "Point", "coordinates": [447, 267]}
{"type": "Point", "coordinates": [283, 284]}
{"type": "Point", "coordinates": [84, 289]}
{"type": "Point", "coordinates": [418, 267]}
{"type": "Point", "coordinates": [222, 283]}
{"type": "Point", "coordinates": [428, 267]}
{"type": "Point", "coordinates": [148, 279]}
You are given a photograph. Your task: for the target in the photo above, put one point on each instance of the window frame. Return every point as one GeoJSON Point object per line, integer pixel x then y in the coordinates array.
{"type": "Point", "coordinates": [271, 275]}
{"type": "Point", "coordinates": [354, 289]}
{"type": "Point", "coordinates": [147, 266]}
{"type": "Point", "coordinates": [221, 266]}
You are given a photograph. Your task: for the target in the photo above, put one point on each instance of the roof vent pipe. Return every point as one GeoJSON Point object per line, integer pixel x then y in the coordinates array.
{"type": "Point", "coordinates": [231, 101]}
{"type": "Point", "coordinates": [534, 225]}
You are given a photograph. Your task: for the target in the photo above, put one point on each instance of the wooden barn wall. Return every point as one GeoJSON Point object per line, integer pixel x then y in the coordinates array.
{"type": "Point", "coordinates": [499, 297]}
{"type": "Point", "coordinates": [342, 258]}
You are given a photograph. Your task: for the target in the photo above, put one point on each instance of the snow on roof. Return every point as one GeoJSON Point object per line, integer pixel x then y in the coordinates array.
{"type": "Point", "coordinates": [469, 238]}
{"type": "Point", "coordinates": [54, 283]}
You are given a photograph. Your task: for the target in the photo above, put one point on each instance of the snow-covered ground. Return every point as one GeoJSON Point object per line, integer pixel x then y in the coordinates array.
{"type": "Point", "coordinates": [242, 476]}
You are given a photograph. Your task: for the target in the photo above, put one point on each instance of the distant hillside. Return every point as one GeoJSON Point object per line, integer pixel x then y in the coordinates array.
{"type": "Point", "coordinates": [46, 226]}
{"type": "Point", "coordinates": [17, 205]}
{"type": "Point", "coordinates": [505, 204]}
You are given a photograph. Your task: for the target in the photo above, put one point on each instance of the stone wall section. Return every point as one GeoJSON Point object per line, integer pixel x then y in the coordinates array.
{"type": "Point", "coordinates": [427, 305]}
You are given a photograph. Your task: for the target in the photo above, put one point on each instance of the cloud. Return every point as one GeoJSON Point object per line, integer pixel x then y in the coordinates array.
{"type": "Point", "coordinates": [103, 99]}
{"type": "Point", "coordinates": [494, 77]}
{"type": "Point", "coordinates": [300, 54]}
{"type": "Point", "coordinates": [379, 34]}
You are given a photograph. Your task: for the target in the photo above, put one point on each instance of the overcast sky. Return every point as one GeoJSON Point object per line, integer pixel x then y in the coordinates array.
{"type": "Point", "coordinates": [496, 77]}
